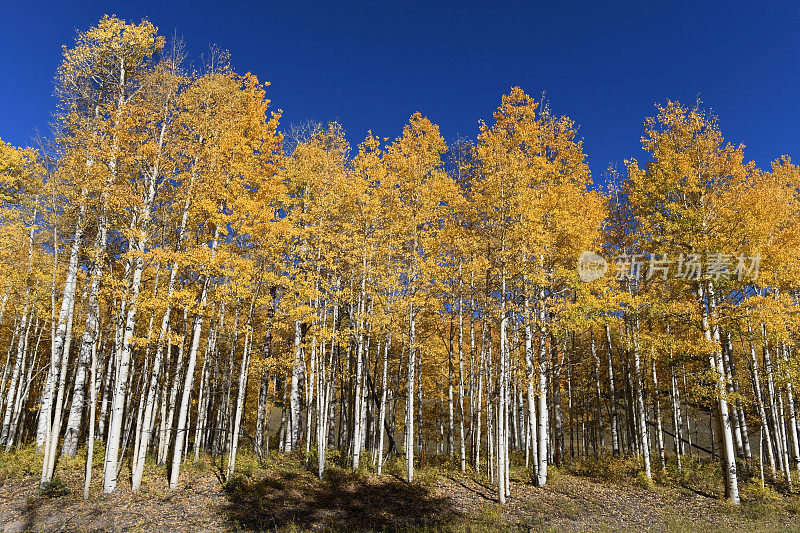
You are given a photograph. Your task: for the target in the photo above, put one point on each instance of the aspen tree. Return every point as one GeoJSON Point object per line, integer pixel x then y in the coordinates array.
{"type": "Point", "coordinates": [675, 196]}
{"type": "Point", "coordinates": [395, 286]}
{"type": "Point", "coordinates": [420, 189]}
{"type": "Point", "coordinates": [244, 141]}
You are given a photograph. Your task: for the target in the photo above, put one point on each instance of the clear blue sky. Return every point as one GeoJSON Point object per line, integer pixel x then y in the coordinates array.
{"type": "Point", "coordinates": [371, 66]}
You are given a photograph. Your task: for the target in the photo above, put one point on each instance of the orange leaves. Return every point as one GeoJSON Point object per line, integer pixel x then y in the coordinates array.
{"type": "Point", "coordinates": [111, 42]}
{"type": "Point", "coordinates": [532, 193]}
{"type": "Point", "coordinates": [680, 196]}
{"type": "Point", "coordinates": [20, 174]}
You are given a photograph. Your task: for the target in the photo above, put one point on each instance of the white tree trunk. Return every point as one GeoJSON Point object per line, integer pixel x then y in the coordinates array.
{"type": "Point", "coordinates": [502, 439]}
{"type": "Point", "coordinates": [462, 444]}
{"type": "Point", "coordinates": [662, 457]}
{"type": "Point", "coordinates": [51, 443]}
{"type": "Point", "coordinates": [92, 415]}
{"type": "Point", "coordinates": [15, 377]}
{"type": "Point", "coordinates": [612, 392]}
{"type": "Point", "coordinates": [759, 398]}
{"type": "Point", "coordinates": [727, 452]}
{"type": "Point", "coordinates": [90, 334]}
{"type": "Point", "coordinates": [243, 373]}
{"type": "Point", "coordinates": [57, 348]}
{"type": "Point", "coordinates": [189, 378]}
{"type": "Point", "coordinates": [641, 415]}
{"type": "Point", "coordinates": [410, 398]}
{"type": "Point", "coordinates": [384, 392]}
{"type": "Point", "coordinates": [541, 469]}
{"type": "Point", "coordinates": [294, 420]}
{"type": "Point", "coordinates": [792, 413]}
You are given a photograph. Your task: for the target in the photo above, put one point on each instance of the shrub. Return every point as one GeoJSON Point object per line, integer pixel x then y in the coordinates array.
{"type": "Point", "coordinates": [643, 481]}
{"type": "Point", "coordinates": [395, 465]}
{"type": "Point", "coordinates": [55, 489]}
{"type": "Point", "coordinates": [247, 463]}
{"type": "Point", "coordinates": [427, 476]}
{"type": "Point", "coordinates": [20, 462]}
{"type": "Point", "coordinates": [607, 468]}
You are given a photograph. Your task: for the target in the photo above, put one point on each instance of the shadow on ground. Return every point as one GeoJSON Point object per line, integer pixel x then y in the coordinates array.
{"type": "Point", "coordinates": [32, 518]}
{"type": "Point", "coordinates": [341, 500]}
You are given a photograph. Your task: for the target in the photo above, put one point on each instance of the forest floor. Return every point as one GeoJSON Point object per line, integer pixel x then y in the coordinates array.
{"type": "Point", "coordinates": [282, 495]}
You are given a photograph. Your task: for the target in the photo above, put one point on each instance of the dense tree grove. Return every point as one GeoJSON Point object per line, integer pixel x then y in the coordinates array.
{"type": "Point", "coordinates": [182, 279]}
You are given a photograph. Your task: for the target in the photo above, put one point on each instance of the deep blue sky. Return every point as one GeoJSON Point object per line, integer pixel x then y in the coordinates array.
{"type": "Point", "coordinates": [371, 67]}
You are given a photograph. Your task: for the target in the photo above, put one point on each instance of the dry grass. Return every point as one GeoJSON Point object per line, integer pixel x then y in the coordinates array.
{"type": "Point", "coordinates": [283, 494]}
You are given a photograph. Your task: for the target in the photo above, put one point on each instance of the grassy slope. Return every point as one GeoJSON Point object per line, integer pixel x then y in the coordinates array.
{"type": "Point", "coordinates": [282, 495]}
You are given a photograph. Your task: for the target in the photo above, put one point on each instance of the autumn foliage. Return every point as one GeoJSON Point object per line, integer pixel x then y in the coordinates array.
{"type": "Point", "coordinates": [184, 275]}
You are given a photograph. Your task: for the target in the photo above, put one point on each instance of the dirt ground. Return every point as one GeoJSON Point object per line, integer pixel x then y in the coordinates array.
{"type": "Point", "coordinates": [291, 498]}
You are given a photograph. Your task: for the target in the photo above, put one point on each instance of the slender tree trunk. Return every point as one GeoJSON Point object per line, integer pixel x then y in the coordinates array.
{"type": "Point", "coordinates": [17, 385]}
{"type": "Point", "coordinates": [677, 423]}
{"type": "Point", "coordinates": [168, 401]}
{"type": "Point", "coordinates": [598, 393]}
{"type": "Point", "coordinates": [189, 379]}
{"type": "Point", "coordinates": [502, 439]}
{"type": "Point", "coordinates": [640, 411]}
{"type": "Point", "coordinates": [60, 332]}
{"type": "Point", "coordinates": [92, 415]}
{"type": "Point", "coordinates": [243, 373]}
{"type": "Point", "coordinates": [532, 443]}
{"type": "Point", "coordinates": [711, 332]}
{"type": "Point", "coordinates": [757, 393]}
{"type": "Point", "coordinates": [462, 445]}
{"type": "Point", "coordinates": [90, 335]}
{"type": "Point", "coordinates": [360, 357]}
{"type": "Point", "coordinates": [120, 383]}
{"type": "Point", "coordinates": [326, 388]}
{"type": "Point", "coordinates": [410, 397]}
{"type": "Point", "coordinates": [542, 433]}
{"type": "Point", "coordinates": [558, 419]}
{"type": "Point", "coordinates": [16, 374]}
{"type": "Point", "coordinates": [106, 398]}
{"type": "Point", "coordinates": [202, 400]}
{"type": "Point", "coordinates": [726, 359]}
{"type": "Point", "coordinates": [293, 420]}
{"type": "Point", "coordinates": [792, 415]}
{"type": "Point", "coordinates": [479, 402]}
{"type": "Point", "coordinates": [780, 445]}
{"type": "Point", "coordinates": [25, 390]}
{"type": "Point", "coordinates": [262, 419]}
{"type": "Point", "coordinates": [51, 443]}
{"type": "Point", "coordinates": [384, 391]}
{"type": "Point", "coordinates": [662, 454]}
{"type": "Point", "coordinates": [15, 331]}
